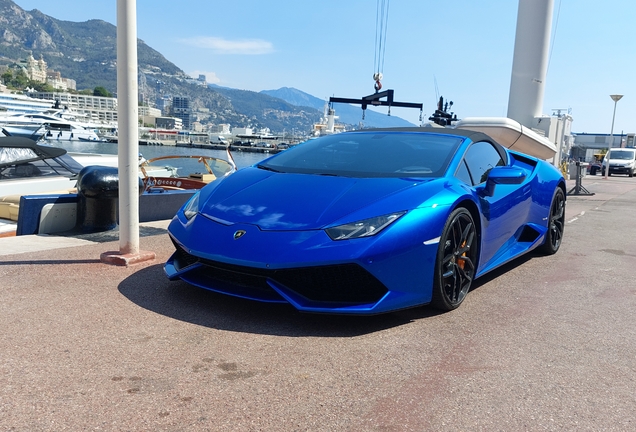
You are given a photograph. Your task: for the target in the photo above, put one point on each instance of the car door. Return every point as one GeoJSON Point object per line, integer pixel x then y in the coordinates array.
{"type": "Point", "coordinates": [503, 213]}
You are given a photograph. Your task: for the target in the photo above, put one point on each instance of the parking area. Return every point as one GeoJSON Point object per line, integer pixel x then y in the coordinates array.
{"type": "Point", "coordinates": [545, 343]}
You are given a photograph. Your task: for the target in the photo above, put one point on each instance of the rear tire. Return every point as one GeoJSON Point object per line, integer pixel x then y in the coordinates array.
{"type": "Point", "coordinates": [556, 224]}
{"type": "Point", "coordinates": [456, 261]}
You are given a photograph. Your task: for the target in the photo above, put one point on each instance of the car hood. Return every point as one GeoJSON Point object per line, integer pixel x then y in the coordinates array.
{"type": "Point", "coordinates": [282, 201]}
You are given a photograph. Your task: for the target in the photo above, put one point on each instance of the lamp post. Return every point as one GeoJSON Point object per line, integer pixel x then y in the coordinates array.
{"type": "Point", "coordinates": [615, 98]}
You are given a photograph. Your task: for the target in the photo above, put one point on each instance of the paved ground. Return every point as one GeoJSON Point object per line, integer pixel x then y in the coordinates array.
{"type": "Point", "coordinates": [542, 344]}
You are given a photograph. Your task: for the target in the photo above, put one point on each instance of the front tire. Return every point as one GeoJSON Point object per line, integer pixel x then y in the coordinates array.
{"type": "Point", "coordinates": [556, 224]}
{"type": "Point", "coordinates": [456, 261]}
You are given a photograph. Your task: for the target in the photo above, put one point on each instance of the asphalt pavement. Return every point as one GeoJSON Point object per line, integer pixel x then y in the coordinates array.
{"type": "Point", "coordinates": [544, 343]}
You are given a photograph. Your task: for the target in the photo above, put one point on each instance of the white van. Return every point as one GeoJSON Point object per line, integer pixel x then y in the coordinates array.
{"type": "Point", "coordinates": [621, 161]}
{"type": "Point", "coordinates": [217, 139]}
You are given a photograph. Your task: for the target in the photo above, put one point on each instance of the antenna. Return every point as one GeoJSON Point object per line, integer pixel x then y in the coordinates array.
{"type": "Point", "coordinates": [436, 89]}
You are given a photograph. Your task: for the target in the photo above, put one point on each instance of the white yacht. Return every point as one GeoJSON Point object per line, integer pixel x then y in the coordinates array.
{"type": "Point", "coordinates": [17, 103]}
{"type": "Point", "coordinates": [51, 126]}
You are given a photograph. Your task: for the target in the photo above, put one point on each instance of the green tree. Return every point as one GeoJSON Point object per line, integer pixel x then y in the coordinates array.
{"type": "Point", "coordinates": [20, 80]}
{"type": "Point", "coordinates": [7, 77]}
{"type": "Point", "coordinates": [101, 91]}
{"type": "Point", "coordinates": [41, 87]}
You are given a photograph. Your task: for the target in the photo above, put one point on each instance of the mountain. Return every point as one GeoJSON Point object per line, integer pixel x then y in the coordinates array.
{"type": "Point", "coordinates": [349, 114]}
{"type": "Point", "coordinates": [275, 112]}
{"type": "Point", "coordinates": [87, 53]}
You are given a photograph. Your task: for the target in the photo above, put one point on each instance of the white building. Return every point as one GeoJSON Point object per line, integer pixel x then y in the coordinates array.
{"type": "Point", "coordinates": [587, 144]}
{"type": "Point", "coordinates": [55, 80]}
{"type": "Point", "coordinates": [242, 131]}
{"type": "Point", "coordinates": [35, 69]}
{"type": "Point", "coordinates": [145, 111]}
{"type": "Point", "coordinates": [223, 129]}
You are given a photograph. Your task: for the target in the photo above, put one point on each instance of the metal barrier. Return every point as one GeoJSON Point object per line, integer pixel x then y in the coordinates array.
{"type": "Point", "coordinates": [578, 188]}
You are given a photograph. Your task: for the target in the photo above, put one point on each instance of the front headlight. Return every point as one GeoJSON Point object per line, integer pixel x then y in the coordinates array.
{"type": "Point", "coordinates": [365, 228]}
{"type": "Point", "coordinates": [191, 208]}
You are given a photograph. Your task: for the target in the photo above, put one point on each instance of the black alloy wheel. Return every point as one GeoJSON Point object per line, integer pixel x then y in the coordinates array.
{"type": "Point", "coordinates": [556, 224]}
{"type": "Point", "coordinates": [456, 261]}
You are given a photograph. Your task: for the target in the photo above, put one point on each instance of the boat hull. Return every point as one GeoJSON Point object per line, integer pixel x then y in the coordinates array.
{"type": "Point", "coordinates": [511, 134]}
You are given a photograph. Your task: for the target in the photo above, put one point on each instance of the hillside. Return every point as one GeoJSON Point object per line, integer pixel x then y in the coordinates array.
{"type": "Point", "coordinates": [348, 114]}
{"type": "Point", "coordinates": [87, 53]}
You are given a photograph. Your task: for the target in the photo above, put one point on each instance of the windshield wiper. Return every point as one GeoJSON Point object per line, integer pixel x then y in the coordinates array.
{"type": "Point", "coordinates": [266, 168]}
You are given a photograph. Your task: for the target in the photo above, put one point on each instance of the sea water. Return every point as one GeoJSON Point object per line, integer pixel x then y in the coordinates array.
{"type": "Point", "coordinates": [242, 159]}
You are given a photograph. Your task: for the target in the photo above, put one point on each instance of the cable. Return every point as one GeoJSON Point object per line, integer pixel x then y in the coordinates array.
{"type": "Point", "coordinates": [556, 26]}
{"type": "Point", "coordinates": [386, 24]}
{"type": "Point", "coordinates": [381, 23]}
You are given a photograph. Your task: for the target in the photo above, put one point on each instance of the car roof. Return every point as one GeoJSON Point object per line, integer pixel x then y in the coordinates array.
{"type": "Point", "coordinates": [472, 135]}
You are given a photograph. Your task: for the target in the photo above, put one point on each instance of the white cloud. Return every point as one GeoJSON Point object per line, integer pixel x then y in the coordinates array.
{"type": "Point", "coordinates": [224, 46]}
{"type": "Point", "coordinates": [210, 77]}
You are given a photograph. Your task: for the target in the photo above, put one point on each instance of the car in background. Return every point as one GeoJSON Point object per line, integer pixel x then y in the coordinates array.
{"type": "Point", "coordinates": [594, 167]}
{"type": "Point", "coordinates": [621, 161]}
{"type": "Point", "coordinates": [240, 143]}
{"type": "Point", "coordinates": [369, 222]}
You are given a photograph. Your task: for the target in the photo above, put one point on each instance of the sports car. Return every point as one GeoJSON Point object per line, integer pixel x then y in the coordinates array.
{"type": "Point", "coordinates": [370, 221]}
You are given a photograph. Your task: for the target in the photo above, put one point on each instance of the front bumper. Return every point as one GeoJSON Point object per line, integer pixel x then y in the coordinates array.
{"type": "Point", "coordinates": [305, 268]}
{"type": "Point", "coordinates": [617, 169]}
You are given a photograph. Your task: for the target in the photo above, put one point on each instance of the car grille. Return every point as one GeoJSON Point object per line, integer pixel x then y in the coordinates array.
{"type": "Point", "coordinates": [340, 283]}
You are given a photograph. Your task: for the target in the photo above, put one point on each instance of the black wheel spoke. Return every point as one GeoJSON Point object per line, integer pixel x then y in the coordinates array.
{"type": "Point", "coordinates": [559, 210]}
{"type": "Point", "coordinates": [466, 233]}
{"type": "Point", "coordinates": [447, 259]}
{"type": "Point", "coordinates": [556, 226]}
{"type": "Point", "coordinates": [468, 263]}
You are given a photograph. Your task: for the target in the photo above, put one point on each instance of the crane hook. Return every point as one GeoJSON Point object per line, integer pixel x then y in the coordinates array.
{"type": "Point", "coordinates": [377, 78]}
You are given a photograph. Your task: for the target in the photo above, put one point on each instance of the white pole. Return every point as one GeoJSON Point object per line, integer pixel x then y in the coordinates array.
{"type": "Point", "coordinates": [558, 142]}
{"type": "Point", "coordinates": [127, 112]}
{"type": "Point", "coordinates": [530, 61]}
{"type": "Point", "coordinates": [615, 98]}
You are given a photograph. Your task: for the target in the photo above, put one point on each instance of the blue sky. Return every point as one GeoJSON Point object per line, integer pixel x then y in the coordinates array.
{"type": "Point", "coordinates": [462, 50]}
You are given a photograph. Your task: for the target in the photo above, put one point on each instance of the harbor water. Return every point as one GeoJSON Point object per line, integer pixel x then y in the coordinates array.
{"type": "Point", "coordinates": [242, 159]}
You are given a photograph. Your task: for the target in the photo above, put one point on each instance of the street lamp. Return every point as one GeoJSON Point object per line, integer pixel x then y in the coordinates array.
{"type": "Point", "coordinates": [615, 98]}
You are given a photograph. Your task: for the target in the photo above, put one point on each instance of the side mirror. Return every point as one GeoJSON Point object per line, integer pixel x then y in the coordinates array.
{"type": "Point", "coordinates": [503, 175]}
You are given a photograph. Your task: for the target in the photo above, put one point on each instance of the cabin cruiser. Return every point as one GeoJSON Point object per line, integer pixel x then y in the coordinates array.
{"type": "Point", "coordinates": [48, 126]}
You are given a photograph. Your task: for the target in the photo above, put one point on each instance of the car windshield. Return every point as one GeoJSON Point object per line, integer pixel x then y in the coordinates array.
{"type": "Point", "coordinates": [621, 154]}
{"type": "Point", "coordinates": [369, 154]}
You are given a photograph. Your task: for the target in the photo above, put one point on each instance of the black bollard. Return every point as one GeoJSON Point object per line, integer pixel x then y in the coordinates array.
{"type": "Point", "coordinates": [98, 193]}
{"type": "Point", "coordinates": [98, 196]}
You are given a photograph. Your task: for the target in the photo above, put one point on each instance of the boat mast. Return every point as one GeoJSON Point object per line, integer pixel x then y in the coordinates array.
{"type": "Point", "coordinates": [530, 61]}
